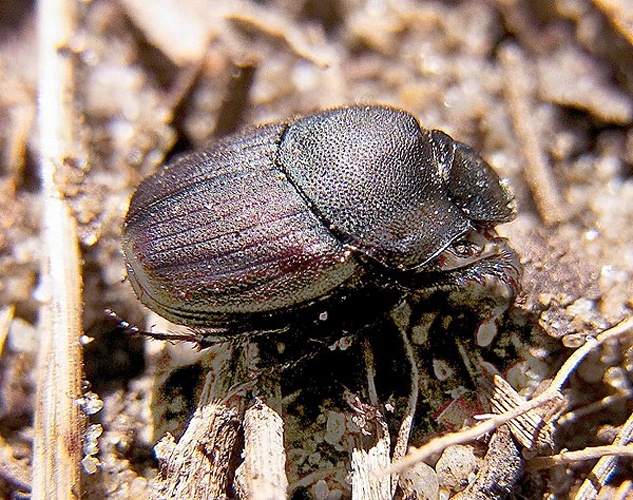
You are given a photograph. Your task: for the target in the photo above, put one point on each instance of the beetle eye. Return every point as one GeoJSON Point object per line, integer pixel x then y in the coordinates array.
{"type": "Point", "coordinates": [472, 247]}
{"type": "Point", "coordinates": [465, 248]}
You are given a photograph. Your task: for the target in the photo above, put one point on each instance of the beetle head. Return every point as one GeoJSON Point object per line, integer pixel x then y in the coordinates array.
{"type": "Point", "coordinates": [472, 184]}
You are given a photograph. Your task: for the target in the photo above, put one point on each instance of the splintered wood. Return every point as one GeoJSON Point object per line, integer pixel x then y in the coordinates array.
{"type": "Point", "coordinates": [533, 430]}
{"type": "Point", "coordinates": [200, 465]}
{"type": "Point", "coordinates": [90, 106]}
{"type": "Point", "coordinates": [366, 484]}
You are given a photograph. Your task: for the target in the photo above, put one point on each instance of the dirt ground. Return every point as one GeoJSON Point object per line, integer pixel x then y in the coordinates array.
{"type": "Point", "coordinates": [543, 90]}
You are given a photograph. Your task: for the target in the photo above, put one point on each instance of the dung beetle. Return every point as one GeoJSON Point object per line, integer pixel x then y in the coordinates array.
{"type": "Point", "coordinates": [279, 217]}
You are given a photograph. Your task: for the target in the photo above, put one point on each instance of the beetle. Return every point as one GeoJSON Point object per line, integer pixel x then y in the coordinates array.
{"type": "Point", "coordinates": [278, 218]}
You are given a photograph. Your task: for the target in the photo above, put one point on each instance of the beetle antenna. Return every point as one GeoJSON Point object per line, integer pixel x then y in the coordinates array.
{"type": "Point", "coordinates": [192, 336]}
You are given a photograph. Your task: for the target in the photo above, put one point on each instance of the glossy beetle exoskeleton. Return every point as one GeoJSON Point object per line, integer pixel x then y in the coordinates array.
{"type": "Point", "coordinates": [285, 215]}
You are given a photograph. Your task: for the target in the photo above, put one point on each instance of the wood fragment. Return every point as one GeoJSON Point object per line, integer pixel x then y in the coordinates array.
{"type": "Point", "coordinates": [500, 472]}
{"type": "Point", "coordinates": [58, 423]}
{"type": "Point", "coordinates": [531, 429]}
{"type": "Point", "coordinates": [262, 476]}
{"type": "Point", "coordinates": [404, 432]}
{"type": "Point", "coordinates": [538, 174]}
{"type": "Point", "coordinates": [199, 466]}
{"type": "Point", "coordinates": [603, 471]}
{"type": "Point", "coordinates": [366, 484]}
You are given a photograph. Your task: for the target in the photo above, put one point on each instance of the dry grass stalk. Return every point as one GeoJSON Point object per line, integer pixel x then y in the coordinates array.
{"type": "Point", "coordinates": [58, 425]}
{"type": "Point", "coordinates": [538, 173]}
{"type": "Point", "coordinates": [589, 453]}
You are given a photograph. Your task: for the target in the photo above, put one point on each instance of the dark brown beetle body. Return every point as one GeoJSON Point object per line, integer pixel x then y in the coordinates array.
{"type": "Point", "coordinates": [288, 214]}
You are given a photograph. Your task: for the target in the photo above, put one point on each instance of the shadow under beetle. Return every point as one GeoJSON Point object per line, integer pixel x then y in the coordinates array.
{"type": "Point", "coordinates": [284, 218]}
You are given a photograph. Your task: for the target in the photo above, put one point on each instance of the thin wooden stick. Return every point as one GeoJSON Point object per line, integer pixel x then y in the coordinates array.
{"type": "Point", "coordinates": [262, 474]}
{"type": "Point", "coordinates": [57, 438]}
{"type": "Point", "coordinates": [589, 453]}
{"type": "Point", "coordinates": [538, 172]}
{"type": "Point", "coordinates": [365, 485]}
{"type": "Point", "coordinates": [404, 433]}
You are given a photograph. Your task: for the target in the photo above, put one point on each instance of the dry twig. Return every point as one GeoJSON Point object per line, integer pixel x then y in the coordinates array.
{"type": "Point", "coordinates": [402, 442]}
{"type": "Point", "coordinates": [365, 484]}
{"type": "Point", "coordinates": [58, 426]}
{"type": "Point", "coordinates": [262, 476]}
{"type": "Point", "coordinates": [589, 453]}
